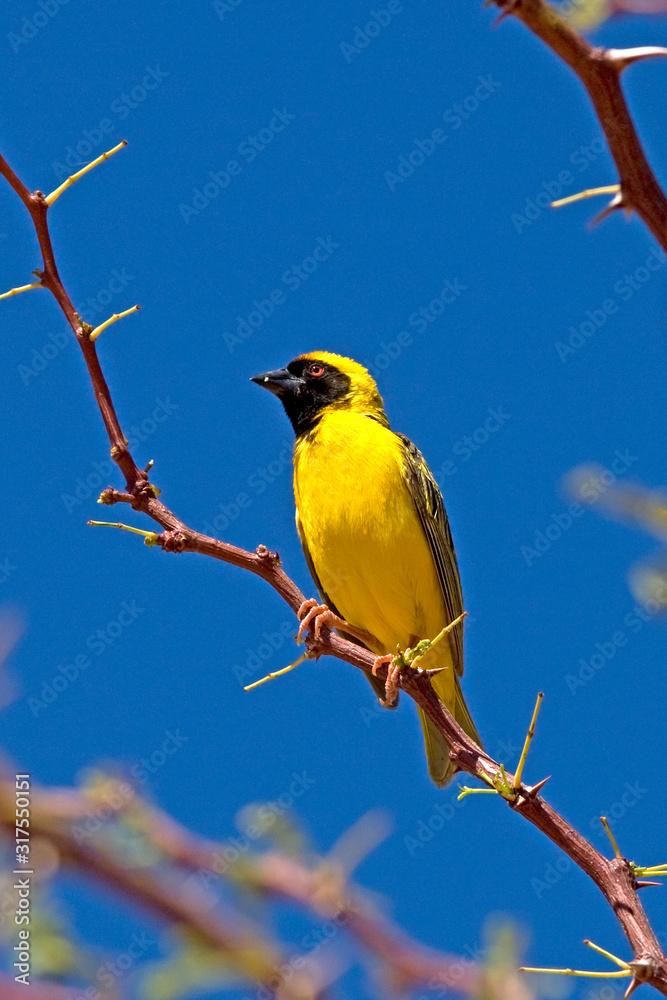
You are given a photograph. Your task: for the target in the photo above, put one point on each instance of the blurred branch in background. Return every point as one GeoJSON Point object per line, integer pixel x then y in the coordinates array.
{"type": "Point", "coordinates": [634, 505]}
{"type": "Point", "coordinates": [587, 15]}
{"type": "Point", "coordinates": [9, 990]}
{"type": "Point", "coordinates": [204, 892]}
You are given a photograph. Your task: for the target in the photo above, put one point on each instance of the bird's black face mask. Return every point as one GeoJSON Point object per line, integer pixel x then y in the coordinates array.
{"type": "Point", "coordinates": [304, 388]}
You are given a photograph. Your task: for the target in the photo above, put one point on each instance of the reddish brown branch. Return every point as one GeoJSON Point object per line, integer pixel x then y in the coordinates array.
{"type": "Point", "coordinates": [613, 878]}
{"type": "Point", "coordinates": [600, 72]}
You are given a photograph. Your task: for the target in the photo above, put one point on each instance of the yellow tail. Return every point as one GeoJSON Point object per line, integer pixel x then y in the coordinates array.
{"type": "Point", "coordinates": [441, 768]}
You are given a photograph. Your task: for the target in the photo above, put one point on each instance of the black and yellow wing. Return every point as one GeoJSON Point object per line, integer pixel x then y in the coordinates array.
{"type": "Point", "coordinates": [431, 509]}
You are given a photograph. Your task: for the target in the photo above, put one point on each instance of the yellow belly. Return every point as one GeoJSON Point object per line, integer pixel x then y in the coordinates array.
{"type": "Point", "coordinates": [363, 532]}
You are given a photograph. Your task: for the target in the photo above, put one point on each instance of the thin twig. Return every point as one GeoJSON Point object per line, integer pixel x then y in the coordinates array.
{"type": "Point", "coordinates": [612, 838]}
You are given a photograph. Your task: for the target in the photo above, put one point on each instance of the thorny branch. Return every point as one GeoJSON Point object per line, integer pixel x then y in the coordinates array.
{"type": "Point", "coordinates": [599, 70]}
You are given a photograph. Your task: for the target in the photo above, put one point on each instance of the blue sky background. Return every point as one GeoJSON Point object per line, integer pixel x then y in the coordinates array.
{"type": "Point", "coordinates": [178, 665]}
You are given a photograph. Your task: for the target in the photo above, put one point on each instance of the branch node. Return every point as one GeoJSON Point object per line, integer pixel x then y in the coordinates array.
{"type": "Point", "coordinates": [267, 556]}
{"type": "Point", "coordinates": [502, 786]}
{"type": "Point", "coordinates": [172, 541]}
{"type": "Point", "coordinates": [110, 496]}
{"type": "Point", "coordinates": [643, 969]}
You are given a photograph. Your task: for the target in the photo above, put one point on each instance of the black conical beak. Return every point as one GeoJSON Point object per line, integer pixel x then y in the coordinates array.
{"type": "Point", "coordinates": [280, 382]}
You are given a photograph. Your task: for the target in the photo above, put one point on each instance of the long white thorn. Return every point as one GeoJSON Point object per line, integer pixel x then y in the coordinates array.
{"type": "Point", "coordinates": [624, 57]}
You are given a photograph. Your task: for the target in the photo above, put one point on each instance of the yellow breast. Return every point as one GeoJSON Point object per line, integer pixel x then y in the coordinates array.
{"type": "Point", "coordinates": [362, 530]}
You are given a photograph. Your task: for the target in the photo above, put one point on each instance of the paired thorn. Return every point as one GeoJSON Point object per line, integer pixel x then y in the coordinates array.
{"type": "Point", "coordinates": [533, 790]}
{"type": "Point", "coordinates": [500, 784]}
{"type": "Point", "coordinates": [618, 201]}
{"type": "Point", "coordinates": [588, 193]}
{"type": "Point", "coordinates": [112, 319]}
{"type": "Point", "coordinates": [578, 972]}
{"type": "Point", "coordinates": [626, 969]}
{"type": "Point", "coordinates": [277, 673]}
{"type": "Point", "coordinates": [621, 58]}
{"type": "Point", "coordinates": [526, 745]}
{"type": "Point", "coordinates": [607, 954]}
{"type": "Point", "coordinates": [607, 830]}
{"type": "Point", "coordinates": [635, 869]}
{"type": "Point", "coordinates": [657, 871]}
{"type": "Point", "coordinates": [22, 288]}
{"type": "Point", "coordinates": [150, 537]}
{"type": "Point", "coordinates": [49, 199]}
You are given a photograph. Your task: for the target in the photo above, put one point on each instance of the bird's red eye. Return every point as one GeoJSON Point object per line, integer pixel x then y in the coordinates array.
{"type": "Point", "coordinates": [317, 371]}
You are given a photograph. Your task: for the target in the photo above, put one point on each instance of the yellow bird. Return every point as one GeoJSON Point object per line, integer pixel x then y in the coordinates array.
{"type": "Point", "coordinates": [373, 528]}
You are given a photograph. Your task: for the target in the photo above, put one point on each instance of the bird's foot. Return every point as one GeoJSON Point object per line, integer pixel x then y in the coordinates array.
{"type": "Point", "coordinates": [314, 617]}
{"type": "Point", "coordinates": [391, 689]}
{"type": "Point", "coordinates": [395, 663]}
